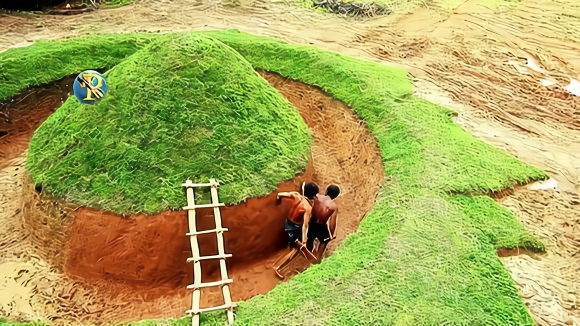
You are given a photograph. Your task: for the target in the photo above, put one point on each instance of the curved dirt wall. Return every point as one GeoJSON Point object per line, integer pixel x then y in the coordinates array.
{"type": "Point", "coordinates": [153, 249]}
{"type": "Point", "coordinates": [47, 221]}
{"type": "Point", "coordinates": [20, 116]}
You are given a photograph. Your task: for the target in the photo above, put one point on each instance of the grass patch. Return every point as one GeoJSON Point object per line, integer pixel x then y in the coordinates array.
{"type": "Point", "coordinates": [47, 61]}
{"type": "Point", "coordinates": [109, 4]}
{"type": "Point", "coordinates": [183, 107]}
{"type": "Point", "coordinates": [4, 321]}
{"type": "Point", "coordinates": [426, 253]}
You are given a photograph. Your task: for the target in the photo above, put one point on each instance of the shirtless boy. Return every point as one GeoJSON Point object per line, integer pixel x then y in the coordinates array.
{"type": "Point", "coordinates": [295, 226]}
{"type": "Point", "coordinates": [322, 224]}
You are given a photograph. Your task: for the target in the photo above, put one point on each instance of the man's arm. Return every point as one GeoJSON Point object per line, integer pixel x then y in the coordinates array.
{"type": "Point", "coordinates": [290, 194]}
{"type": "Point", "coordinates": [307, 216]}
{"type": "Point", "coordinates": [332, 223]}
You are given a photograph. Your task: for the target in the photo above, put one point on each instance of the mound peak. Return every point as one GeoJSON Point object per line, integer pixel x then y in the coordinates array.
{"type": "Point", "coordinates": [183, 107]}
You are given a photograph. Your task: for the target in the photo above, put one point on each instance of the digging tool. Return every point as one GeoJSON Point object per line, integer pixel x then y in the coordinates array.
{"type": "Point", "coordinates": [309, 255]}
{"type": "Point", "coordinates": [302, 249]}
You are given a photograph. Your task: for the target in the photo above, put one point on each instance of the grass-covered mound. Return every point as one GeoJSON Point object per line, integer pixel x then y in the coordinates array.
{"type": "Point", "coordinates": [425, 254]}
{"type": "Point", "coordinates": [182, 107]}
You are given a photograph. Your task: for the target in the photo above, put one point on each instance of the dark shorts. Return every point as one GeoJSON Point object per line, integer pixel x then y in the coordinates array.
{"type": "Point", "coordinates": [293, 232]}
{"type": "Point", "coordinates": [318, 231]}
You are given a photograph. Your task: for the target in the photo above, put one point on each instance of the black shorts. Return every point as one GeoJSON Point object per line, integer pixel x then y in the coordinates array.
{"type": "Point", "coordinates": [319, 231]}
{"type": "Point", "coordinates": [293, 232]}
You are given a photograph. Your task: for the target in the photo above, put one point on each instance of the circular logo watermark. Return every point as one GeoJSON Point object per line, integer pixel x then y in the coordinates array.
{"type": "Point", "coordinates": [90, 86]}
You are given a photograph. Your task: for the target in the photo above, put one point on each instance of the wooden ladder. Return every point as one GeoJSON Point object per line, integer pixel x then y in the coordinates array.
{"type": "Point", "coordinates": [197, 258]}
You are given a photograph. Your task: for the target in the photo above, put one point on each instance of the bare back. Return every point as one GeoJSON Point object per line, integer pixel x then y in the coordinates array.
{"type": "Point", "coordinates": [323, 208]}
{"type": "Point", "coordinates": [298, 207]}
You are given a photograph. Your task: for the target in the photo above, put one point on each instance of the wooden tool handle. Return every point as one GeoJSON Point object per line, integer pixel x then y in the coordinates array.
{"type": "Point", "coordinates": [306, 252]}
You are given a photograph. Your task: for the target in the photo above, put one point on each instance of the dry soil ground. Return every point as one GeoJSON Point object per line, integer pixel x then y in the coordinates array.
{"type": "Point", "coordinates": [509, 72]}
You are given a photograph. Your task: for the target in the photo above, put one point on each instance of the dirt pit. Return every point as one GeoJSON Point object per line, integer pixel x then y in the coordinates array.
{"type": "Point", "coordinates": [20, 116]}
{"type": "Point", "coordinates": [32, 261]}
{"type": "Point", "coordinates": [151, 250]}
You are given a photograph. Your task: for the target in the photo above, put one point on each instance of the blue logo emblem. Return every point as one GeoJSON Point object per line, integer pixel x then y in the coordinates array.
{"type": "Point", "coordinates": [90, 86]}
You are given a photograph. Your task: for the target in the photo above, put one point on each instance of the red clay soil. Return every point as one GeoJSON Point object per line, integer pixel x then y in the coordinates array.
{"type": "Point", "coordinates": [140, 261]}
{"type": "Point", "coordinates": [152, 250]}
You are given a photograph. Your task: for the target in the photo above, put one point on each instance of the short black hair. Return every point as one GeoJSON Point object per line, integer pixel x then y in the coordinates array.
{"type": "Point", "coordinates": [311, 190]}
{"type": "Point", "coordinates": [332, 191]}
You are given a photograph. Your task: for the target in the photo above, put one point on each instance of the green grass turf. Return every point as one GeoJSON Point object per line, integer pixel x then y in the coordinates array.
{"type": "Point", "coordinates": [185, 107]}
{"type": "Point", "coordinates": [7, 322]}
{"type": "Point", "coordinates": [426, 253]}
{"type": "Point", "coordinates": [46, 61]}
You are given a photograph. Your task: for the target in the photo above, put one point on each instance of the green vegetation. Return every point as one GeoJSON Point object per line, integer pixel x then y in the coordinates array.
{"type": "Point", "coordinates": [183, 107]}
{"type": "Point", "coordinates": [116, 3]}
{"type": "Point", "coordinates": [426, 253]}
{"type": "Point", "coordinates": [4, 321]}
{"type": "Point", "coordinates": [46, 61]}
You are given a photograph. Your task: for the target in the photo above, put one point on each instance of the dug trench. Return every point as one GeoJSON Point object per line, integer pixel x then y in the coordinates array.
{"type": "Point", "coordinates": [87, 266]}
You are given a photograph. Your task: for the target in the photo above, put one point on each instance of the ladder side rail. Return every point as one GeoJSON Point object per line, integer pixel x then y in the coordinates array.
{"type": "Point", "coordinates": [191, 219]}
{"type": "Point", "coordinates": [221, 252]}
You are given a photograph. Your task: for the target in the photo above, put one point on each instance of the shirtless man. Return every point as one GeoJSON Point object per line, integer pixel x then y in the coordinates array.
{"type": "Point", "coordinates": [322, 224]}
{"type": "Point", "coordinates": [296, 225]}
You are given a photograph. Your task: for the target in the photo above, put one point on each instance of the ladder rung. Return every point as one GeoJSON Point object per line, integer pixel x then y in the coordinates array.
{"type": "Point", "coordinates": [189, 260]}
{"type": "Point", "coordinates": [204, 206]}
{"type": "Point", "coordinates": [198, 185]}
{"type": "Point", "coordinates": [207, 231]}
{"type": "Point", "coordinates": [210, 284]}
{"type": "Point", "coordinates": [202, 310]}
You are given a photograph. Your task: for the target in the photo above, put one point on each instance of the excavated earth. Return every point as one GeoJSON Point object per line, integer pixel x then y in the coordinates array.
{"type": "Point", "coordinates": [507, 70]}
{"type": "Point", "coordinates": [83, 265]}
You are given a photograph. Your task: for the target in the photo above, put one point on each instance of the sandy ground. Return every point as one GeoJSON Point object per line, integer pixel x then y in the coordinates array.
{"type": "Point", "coordinates": [508, 71]}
